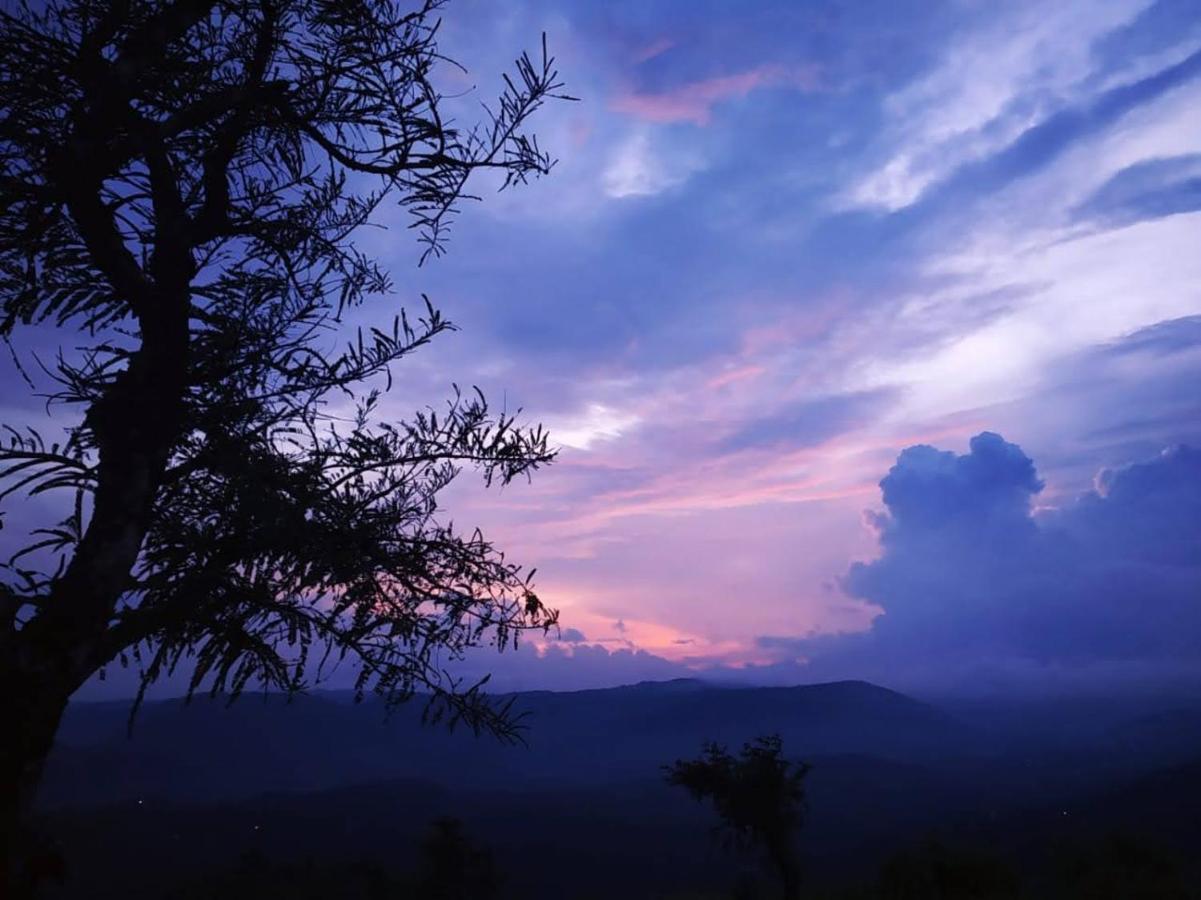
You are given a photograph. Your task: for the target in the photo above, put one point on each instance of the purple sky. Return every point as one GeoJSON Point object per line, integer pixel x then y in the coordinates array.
{"type": "Point", "coordinates": [786, 241]}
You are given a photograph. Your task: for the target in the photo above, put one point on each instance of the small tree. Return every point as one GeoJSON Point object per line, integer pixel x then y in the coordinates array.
{"type": "Point", "coordinates": [453, 867]}
{"type": "Point", "coordinates": [759, 796]}
{"type": "Point", "coordinates": [182, 184]}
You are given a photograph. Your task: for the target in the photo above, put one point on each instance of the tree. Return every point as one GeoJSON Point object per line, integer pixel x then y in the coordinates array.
{"type": "Point", "coordinates": [759, 795]}
{"type": "Point", "coordinates": [933, 870]}
{"type": "Point", "coordinates": [182, 183]}
{"type": "Point", "coordinates": [453, 867]}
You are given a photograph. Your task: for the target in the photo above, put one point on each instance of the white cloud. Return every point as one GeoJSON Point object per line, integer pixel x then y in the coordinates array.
{"type": "Point", "coordinates": [596, 423]}
{"type": "Point", "coordinates": [989, 88]}
{"type": "Point", "coordinates": [1082, 292]}
{"type": "Point", "coordinates": [640, 167]}
{"type": "Point", "coordinates": [1063, 285]}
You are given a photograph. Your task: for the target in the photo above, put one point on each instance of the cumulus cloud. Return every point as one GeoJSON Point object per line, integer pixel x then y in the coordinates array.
{"type": "Point", "coordinates": [990, 487]}
{"type": "Point", "coordinates": [1148, 513]}
{"type": "Point", "coordinates": [972, 577]}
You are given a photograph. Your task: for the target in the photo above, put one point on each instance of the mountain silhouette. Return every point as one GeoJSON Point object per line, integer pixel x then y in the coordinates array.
{"type": "Point", "coordinates": [210, 750]}
{"type": "Point", "coordinates": [321, 784]}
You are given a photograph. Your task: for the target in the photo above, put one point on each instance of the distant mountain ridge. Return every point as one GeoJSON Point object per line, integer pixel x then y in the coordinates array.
{"type": "Point", "coordinates": [324, 780]}
{"type": "Point", "coordinates": [208, 750]}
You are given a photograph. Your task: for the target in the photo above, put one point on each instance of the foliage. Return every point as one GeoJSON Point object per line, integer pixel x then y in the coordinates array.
{"type": "Point", "coordinates": [255, 876]}
{"type": "Point", "coordinates": [453, 867]}
{"type": "Point", "coordinates": [183, 182]}
{"type": "Point", "coordinates": [449, 867]}
{"type": "Point", "coordinates": [759, 796]}
{"type": "Point", "coordinates": [1117, 865]}
{"type": "Point", "coordinates": [935, 871]}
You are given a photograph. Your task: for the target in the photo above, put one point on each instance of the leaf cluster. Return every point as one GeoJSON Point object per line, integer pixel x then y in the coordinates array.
{"type": "Point", "coordinates": [758, 794]}
{"type": "Point", "coordinates": [246, 145]}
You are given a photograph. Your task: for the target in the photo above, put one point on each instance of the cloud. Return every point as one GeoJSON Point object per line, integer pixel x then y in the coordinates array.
{"type": "Point", "coordinates": [974, 581]}
{"type": "Point", "coordinates": [596, 423]}
{"type": "Point", "coordinates": [1147, 513]}
{"type": "Point", "coordinates": [555, 666]}
{"type": "Point", "coordinates": [1037, 57]}
{"type": "Point", "coordinates": [655, 48]}
{"type": "Point", "coordinates": [640, 167]}
{"type": "Point", "coordinates": [1133, 277]}
{"type": "Point", "coordinates": [704, 337]}
{"type": "Point", "coordinates": [1147, 190]}
{"type": "Point", "coordinates": [1165, 337]}
{"type": "Point", "coordinates": [809, 421]}
{"type": "Point", "coordinates": [1107, 404]}
{"type": "Point", "coordinates": [568, 667]}
{"type": "Point", "coordinates": [1040, 144]}
{"type": "Point", "coordinates": [990, 487]}
{"type": "Point", "coordinates": [693, 102]}
{"type": "Point", "coordinates": [971, 578]}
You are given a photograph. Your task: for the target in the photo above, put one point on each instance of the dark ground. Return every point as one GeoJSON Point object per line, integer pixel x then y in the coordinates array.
{"type": "Point", "coordinates": [321, 797]}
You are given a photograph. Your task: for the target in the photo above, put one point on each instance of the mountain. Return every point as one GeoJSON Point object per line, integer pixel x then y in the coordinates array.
{"type": "Point", "coordinates": [321, 790]}
{"type": "Point", "coordinates": [209, 750]}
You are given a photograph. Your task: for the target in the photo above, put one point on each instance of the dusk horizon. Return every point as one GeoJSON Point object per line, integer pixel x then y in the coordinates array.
{"type": "Point", "coordinates": [757, 277]}
{"type": "Point", "coordinates": [488, 450]}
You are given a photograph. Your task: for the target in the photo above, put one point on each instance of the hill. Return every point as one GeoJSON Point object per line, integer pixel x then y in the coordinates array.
{"type": "Point", "coordinates": [311, 792]}
{"type": "Point", "coordinates": [212, 751]}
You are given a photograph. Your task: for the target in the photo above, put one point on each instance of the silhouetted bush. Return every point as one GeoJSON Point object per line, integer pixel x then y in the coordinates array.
{"type": "Point", "coordinates": [935, 871]}
{"type": "Point", "coordinates": [759, 796]}
{"type": "Point", "coordinates": [453, 867]}
{"type": "Point", "coordinates": [1116, 867]}
{"type": "Point", "coordinates": [256, 877]}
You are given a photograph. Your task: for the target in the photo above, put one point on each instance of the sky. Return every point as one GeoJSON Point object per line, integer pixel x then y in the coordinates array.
{"type": "Point", "coordinates": [785, 244]}
{"type": "Point", "coordinates": [870, 334]}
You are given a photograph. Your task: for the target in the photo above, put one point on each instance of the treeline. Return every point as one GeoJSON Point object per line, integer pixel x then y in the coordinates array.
{"type": "Point", "coordinates": [758, 801]}
{"type": "Point", "coordinates": [456, 867]}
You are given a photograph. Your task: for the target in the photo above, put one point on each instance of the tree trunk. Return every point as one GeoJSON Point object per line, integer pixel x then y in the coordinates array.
{"type": "Point", "coordinates": [783, 859]}
{"type": "Point", "coordinates": [135, 425]}
{"type": "Point", "coordinates": [31, 708]}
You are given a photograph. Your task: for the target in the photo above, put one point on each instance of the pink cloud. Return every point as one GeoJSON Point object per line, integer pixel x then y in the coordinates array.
{"type": "Point", "coordinates": [730, 376]}
{"type": "Point", "coordinates": [662, 639]}
{"type": "Point", "coordinates": [653, 49]}
{"type": "Point", "coordinates": [671, 529]}
{"type": "Point", "coordinates": [694, 102]}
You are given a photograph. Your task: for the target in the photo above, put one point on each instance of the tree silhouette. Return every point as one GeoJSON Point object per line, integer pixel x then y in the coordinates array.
{"type": "Point", "coordinates": [182, 183]}
{"type": "Point", "coordinates": [933, 870]}
{"type": "Point", "coordinates": [452, 867]}
{"type": "Point", "coordinates": [1117, 865]}
{"type": "Point", "coordinates": [759, 796]}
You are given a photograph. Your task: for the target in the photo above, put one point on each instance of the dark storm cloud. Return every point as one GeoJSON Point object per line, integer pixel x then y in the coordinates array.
{"type": "Point", "coordinates": [971, 577]}
{"type": "Point", "coordinates": [930, 490]}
